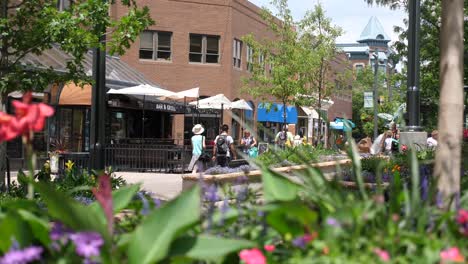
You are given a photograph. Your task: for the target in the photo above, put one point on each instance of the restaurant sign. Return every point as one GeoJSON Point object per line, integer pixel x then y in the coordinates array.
{"type": "Point", "coordinates": [165, 107]}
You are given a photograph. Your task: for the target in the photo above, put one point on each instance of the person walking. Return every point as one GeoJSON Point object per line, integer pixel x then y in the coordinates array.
{"type": "Point", "coordinates": [284, 138]}
{"type": "Point", "coordinates": [248, 142]}
{"type": "Point", "coordinates": [223, 149]}
{"type": "Point", "coordinates": [198, 145]}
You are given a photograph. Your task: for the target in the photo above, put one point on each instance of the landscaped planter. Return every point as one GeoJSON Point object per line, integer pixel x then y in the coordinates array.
{"type": "Point", "coordinates": [327, 168]}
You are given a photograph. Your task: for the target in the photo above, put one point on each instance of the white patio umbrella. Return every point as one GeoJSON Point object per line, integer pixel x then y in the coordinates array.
{"type": "Point", "coordinates": [142, 90]}
{"type": "Point", "coordinates": [190, 93]}
{"type": "Point", "coordinates": [218, 101]}
{"type": "Point", "coordinates": [241, 104]}
{"type": "Point", "coordinates": [385, 116]}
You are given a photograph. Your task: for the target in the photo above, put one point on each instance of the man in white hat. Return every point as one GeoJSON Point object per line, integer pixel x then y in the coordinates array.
{"type": "Point", "coordinates": [198, 145]}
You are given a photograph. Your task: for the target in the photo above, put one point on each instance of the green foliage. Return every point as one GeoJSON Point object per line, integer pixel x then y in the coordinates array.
{"type": "Point", "coordinates": [298, 58]}
{"type": "Point", "coordinates": [293, 156]}
{"type": "Point", "coordinates": [34, 26]}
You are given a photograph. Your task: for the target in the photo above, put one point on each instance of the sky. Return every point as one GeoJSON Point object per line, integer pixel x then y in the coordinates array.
{"type": "Point", "coordinates": [351, 15]}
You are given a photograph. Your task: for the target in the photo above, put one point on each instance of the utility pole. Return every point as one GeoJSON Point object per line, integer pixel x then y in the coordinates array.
{"type": "Point", "coordinates": [376, 79]}
{"type": "Point", "coordinates": [98, 104]}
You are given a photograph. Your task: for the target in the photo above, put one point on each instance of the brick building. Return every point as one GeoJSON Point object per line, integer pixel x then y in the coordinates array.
{"type": "Point", "coordinates": [197, 43]}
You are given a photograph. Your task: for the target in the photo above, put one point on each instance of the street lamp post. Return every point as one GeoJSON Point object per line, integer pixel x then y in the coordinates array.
{"type": "Point", "coordinates": [412, 93]}
{"type": "Point", "coordinates": [376, 69]}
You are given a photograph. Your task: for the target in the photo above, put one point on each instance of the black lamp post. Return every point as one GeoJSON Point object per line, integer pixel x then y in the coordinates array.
{"type": "Point", "coordinates": [98, 105]}
{"type": "Point", "coordinates": [376, 71]}
{"type": "Point", "coordinates": [412, 93]}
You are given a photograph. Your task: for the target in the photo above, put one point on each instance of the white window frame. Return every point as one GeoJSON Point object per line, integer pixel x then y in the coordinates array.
{"type": "Point", "coordinates": [204, 51]}
{"type": "Point", "coordinates": [237, 53]}
{"type": "Point", "coordinates": [155, 47]}
{"type": "Point", "coordinates": [249, 55]}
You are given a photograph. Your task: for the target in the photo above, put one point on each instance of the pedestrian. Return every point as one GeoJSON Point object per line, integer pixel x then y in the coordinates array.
{"type": "Point", "coordinates": [284, 138]}
{"type": "Point", "coordinates": [432, 141]}
{"type": "Point", "coordinates": [223, 149]}
{"type": "Point", "coordinates": [198, 145]}
{"type": "Point", "coordinates": [248, 142]}
{"type": "Point", "coordinates": [387, 143]}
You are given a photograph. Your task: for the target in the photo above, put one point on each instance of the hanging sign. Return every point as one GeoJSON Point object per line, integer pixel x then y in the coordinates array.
{"type": "Point", "coordinates": [368, 100]}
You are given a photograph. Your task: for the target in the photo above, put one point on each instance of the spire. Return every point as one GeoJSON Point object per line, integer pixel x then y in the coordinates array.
{"type": "Point", "coordinates": [373, 31]}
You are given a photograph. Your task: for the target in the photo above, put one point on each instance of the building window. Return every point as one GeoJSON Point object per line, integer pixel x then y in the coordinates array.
{"type": "Point", "coordinates": [155, 45]}
{"type": "Point", "coordinates": [359, 67]}
{"type": "Point", "coordinates": [236, 53]}
{"type": "Point", "coordinates": [63, 5]}
{"type": "Point", "coordinates": [204, 49]}
{"type": "Point", "coordinates": [249, 59]}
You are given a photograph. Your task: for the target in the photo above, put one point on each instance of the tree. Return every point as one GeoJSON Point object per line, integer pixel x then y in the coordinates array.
{"type": "Point", "coordinates": [33, 26]}
{"type": "Point", "coordinates": [448, 155]}
{"type": "Point", "coordinates": [299, 58]}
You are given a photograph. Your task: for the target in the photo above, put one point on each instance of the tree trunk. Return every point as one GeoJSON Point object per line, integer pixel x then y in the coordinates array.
{"type": "Point", "coordinates": [448, 155]}
{"type": "Point", "coordinates": [319, 134]}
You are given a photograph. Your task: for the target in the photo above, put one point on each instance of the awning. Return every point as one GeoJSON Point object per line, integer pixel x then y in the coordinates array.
{"type": "Point", "coordinates": [73, 94]}
{"type": "Point", "coordinates": [310, 112]}
{"type": "Point", "coordinates": [276, 114]}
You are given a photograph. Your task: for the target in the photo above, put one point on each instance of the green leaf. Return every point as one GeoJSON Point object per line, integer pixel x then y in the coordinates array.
{"type": "Point", "coordinates": [151, 240]}
{"type": "Point", "coordinates": [39, 226]}
{"type": "Point", "coordinates": [207, 247]}
{"type": "Point", "coordinates": [12, 227]}
{"type": "Point", "coordinates": [70, 212]}
{"type": "Point", "coordinates": [276, 187]}
{"type": "Point", "coordinates": [120, 198]}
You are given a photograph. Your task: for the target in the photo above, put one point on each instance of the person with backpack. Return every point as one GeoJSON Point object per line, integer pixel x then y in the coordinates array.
{"type": "Point", "coordinates": [223, 149]}
{"type": "Point", "coordinates": [284, 138]}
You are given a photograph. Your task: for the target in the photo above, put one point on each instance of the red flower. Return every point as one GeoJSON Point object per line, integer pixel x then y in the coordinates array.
{"type": "Point", "coordinates": [383, 254]}
{"type": "Point", "coordinates": [462, 217]}
{"type": "Point", "coordinates": [404, 148]}
{"type": "Point", "coordinates": [269, 248]}
{"type": "Point", "coordinates": [8, 127]}
{"type": "Point", "coordinates": [451, 255]}
{"type": "Point", "coordinates": [30, 116]}
{"type": "Point", "coordinates": [103, 195]}
{"type": "Point", "coordinates": [252, 256]}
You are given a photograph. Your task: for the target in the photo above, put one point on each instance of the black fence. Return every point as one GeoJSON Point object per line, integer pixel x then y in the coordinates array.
{"type": "Point", "coordinates": [148, 157]}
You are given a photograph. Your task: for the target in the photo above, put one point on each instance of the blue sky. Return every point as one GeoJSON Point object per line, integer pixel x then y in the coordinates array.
{"type": "Point", "coordinates": [351, 15]}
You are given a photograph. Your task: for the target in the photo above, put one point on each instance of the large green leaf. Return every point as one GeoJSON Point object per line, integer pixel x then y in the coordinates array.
{"type": "Point", "coordinates": [39, 226]}
{"type": "Point", "coordinates": [70, 212]}
{"type": "Point", "coordinates": [14, 228]}
{"type": "Point", "coordinates": [207, 247]}
{"type": "Point", "coordinates": [276, 187]}
{"type": "Point", "coordinates": [151, 240]}
{"type": "Point", "coordinates": [120, 198]}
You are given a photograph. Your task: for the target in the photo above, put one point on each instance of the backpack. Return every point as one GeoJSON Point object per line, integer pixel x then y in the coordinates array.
{"type": "Point", "coordinates": [222, 145]}
{"type": "Point", "coordinates": [282, 138]}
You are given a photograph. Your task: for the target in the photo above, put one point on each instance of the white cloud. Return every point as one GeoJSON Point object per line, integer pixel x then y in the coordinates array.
{"type": "Point", "coordinates": [351, 15]}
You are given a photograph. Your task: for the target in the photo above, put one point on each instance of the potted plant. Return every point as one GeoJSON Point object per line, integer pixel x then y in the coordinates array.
{"type": "Point", "coordinates": [58, 147]}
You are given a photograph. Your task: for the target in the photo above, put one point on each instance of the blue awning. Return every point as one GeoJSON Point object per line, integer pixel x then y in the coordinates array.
{"type": "Point", "coordinates": [276, 114]}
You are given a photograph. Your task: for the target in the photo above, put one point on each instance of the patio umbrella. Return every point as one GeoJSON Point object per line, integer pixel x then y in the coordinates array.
{"type": "Point", "coordinates": [190, 93]}
{"type": "Point", "coordinates": [142, 90]}
{"type": "Point", "coordinates": [242, 105]}
{"type": "Point", "coordinates": [219, 102]}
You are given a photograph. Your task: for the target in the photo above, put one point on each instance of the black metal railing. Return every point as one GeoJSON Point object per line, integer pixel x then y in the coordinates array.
{"type": "Point", "coordinates": [148, 157]}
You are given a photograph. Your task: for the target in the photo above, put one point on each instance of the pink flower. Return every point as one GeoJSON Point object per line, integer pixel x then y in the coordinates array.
{"type": "Point", "coordinates": [462, 216]}
{"type": "Point", "coordinates": [269, 248]}
{"type": "Point", "coordinates": [383, 254]}
{"type": "Point", "coordinates": [252, 256]}
{"type": "Point", "coordinates": [8, 127]}
{"type": "Point", "coordinates": [451, 255]}
{"type": "Point", "coordinates": [30, 116]}
{"type": "Point", "coordinates": [404, 148]}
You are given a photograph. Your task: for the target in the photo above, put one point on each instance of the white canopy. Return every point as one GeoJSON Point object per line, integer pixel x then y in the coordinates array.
{"type": "Point", "coordinates": [241, 104]}
{"type": "Point", "coordinates": [310, 112]}
{"type": "Point", "coordinates": [214, 102]}
{"type": "Point", "coordinates": [190, 93]}
{"type": "Point", "coordinates": [142, 89]}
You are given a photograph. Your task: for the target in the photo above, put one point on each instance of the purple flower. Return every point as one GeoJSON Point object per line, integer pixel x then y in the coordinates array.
{"type": "Point", "coordinates": [59, 231]}
{"type": "Point", "coordinates": [211, 193]}
{"type": "Point", "coordinates": [87, 243]}
{"type": "Point", "coordinates": [333, 222]}
{"type": "Point", "coordinates": [22, 256]}
{"type": "Point", "coordinates": [299, 242]}
{"type": "Point", "coordinates": [145, 209]}
{"type": "Point", "coordinates": [157, 202]}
